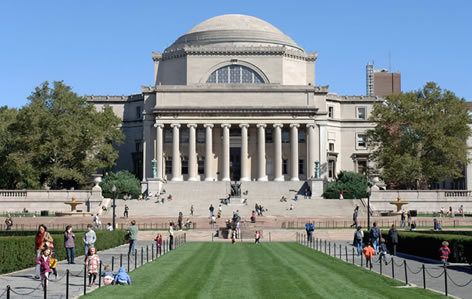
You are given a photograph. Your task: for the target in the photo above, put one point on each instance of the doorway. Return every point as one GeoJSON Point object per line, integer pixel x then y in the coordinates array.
{"type": "Point", "coordinates": [235, 163]}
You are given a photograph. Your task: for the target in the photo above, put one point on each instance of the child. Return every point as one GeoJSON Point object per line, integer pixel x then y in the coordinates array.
{"type": "Point", "coordinates": [108, 276]}
{"type": "Point", "coordinates": [382, 251]}
{"type": "Point", "coordinates": [53, 264]}
{"type": "Point", "coordinates": [122, 278]}
{"type": "Point", "coordinates": [444, 252]}
{"type": "Point", "coordinates": [93, 262]}
{"type": "Point", "coordinates": [258, 237]}
{"type": "Point", "coordinates": [44, 265]}
{"type": "Point", "coordinates": [158, 240]}
{"type": "Point", "coordinates": [369, 252]}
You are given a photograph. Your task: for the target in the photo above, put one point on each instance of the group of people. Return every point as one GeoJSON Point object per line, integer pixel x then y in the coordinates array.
{"type": "Point", "coordinates": [450, 212]}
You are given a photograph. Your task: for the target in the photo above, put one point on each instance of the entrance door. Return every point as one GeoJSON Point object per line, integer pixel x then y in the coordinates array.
{"type": "Point", "coordinates": [235, 163]}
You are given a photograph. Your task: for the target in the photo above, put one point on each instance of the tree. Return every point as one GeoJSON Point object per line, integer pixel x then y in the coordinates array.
{"type": "Point", "coordinates": [125, 182]}
{"type": "Point", "coordinates": [7, 117]}
{"type": "Point", "coordinates": [351, 184]}
{"type": "Point", "coordinates": [420, 137]}
{"type": "Point", "coordinates": [59, 140]}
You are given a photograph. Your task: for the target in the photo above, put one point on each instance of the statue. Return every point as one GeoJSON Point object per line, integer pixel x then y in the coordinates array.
{"type": "Point", "coordinates": [317, 169]}
{"type": "Point", "coordinates": [236, 189]}
{"type": "Point", "coordinates": [154, 168]}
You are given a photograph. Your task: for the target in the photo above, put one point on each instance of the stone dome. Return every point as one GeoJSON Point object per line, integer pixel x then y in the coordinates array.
{"type": "Point", "coordinates": [234, 30]}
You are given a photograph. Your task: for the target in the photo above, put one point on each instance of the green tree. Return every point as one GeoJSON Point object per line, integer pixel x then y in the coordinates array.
{"type": "Point", "coordinates": [351, 184]}
{"type": "Point", "coordinates": [7, 117]}
{"type": "Point", "coordinates": [125, 183]}
{"type": "Point", "coordinates": [420, 137]}
{"type": "Point", "coordinates": [60, 139]}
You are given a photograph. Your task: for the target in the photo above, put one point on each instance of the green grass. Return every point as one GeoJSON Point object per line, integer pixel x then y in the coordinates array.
{"type": "Point", "coordinates": [243, 270]}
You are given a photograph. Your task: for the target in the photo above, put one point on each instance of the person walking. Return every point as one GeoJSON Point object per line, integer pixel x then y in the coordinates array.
{"type": "Point", "coordinates": [382, 251]}
{"type": "Point", "coordinates": [8, 223]}
{"type": "Point", "coordinates": [133, 237]}
{"type": "Point", "coordinates": [42, 240]}
{"type": "Point", "coordinates": [191, 210]}
{"type": "Point", "coordinates": [44, 264]}
{"type": "Point", "coordinates": [257, 238]}
{"type": "Point", "coordinates": [69, 244]}
{"type": "Point", "coordinates": [180, 220]}
{"type": "Point", "coordinates": [375, 236]}
{"type": "Point", "coordinates": [171, 235]}
{"type": "Point", "coordinates": [402, 219]}
{"type": "Point", "coordinates": [461, 211]}
{"type": "Point", "coordinates": [158, 240]}
{"type": "Point", "coordinates": [310, 228]}
{"type": "Point", "coordinates": [444, 252]}
{"type": "Point", "coordinates": [369, 252]}
{"type": "Point", "coordinates": [89, 239]}
{"type": "Point", "coordinates": [93, 262]}
{"type": "Point", "coordinates": [96, 221]}
{"type": "Point", "coordinates": [126, 212]}
{"type": "Point", "coordinates": [355, 217]}
{"type": "Point", "coordinates": [393, 239]}
{"type": "Point", "coordinates": [358, 238]}
{"type": "Point", "coordinates": [211, 209]}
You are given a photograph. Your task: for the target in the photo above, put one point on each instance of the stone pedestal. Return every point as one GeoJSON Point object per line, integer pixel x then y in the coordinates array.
{"type": "Point", "coordinates": [317, 187]}
{"type": "Point", "coordinates": [154, 186]}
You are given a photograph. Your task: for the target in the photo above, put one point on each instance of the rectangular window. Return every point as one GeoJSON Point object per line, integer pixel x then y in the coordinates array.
{"type": "Point", "coordinates": [284, 166]}
{"type": "Point", "coordinates": [301, 136]}
{"type": "Point", "coordinates": [268, 135]}
{"type": "Point", "coordinates": [138, 145]}
{"type": "Point", "coordinates": [285, 135]}
{"type": "Point", "coordinates": [330, 111]}
{"type": "Point", "coordinates": [200, 135]}
{"type": "Point", "coordinates": [184, 165]}
{"type": "Point", "coordinates": [139, 112]}
{"type": "Point", "coordinates": [361, 141]}
{"type": "Point", "coordinates": [331, 169]}
{"type": "Point", "coordinates": [184, 136]}
{"type": "Point", "coordinates": [167, 135]}
{"type": "Point", "coordinates": [361, 166]}
{"type": "Point", "coordinates": [331, 147]}
{"type": "Point", "coordinates": [169, 166]}
{"type": "Point", "coordinates": [361, 113]}
{"type": "Point", "coordinates": [201, 165]}
{"type": "Point", "coordinates": [301, 166]}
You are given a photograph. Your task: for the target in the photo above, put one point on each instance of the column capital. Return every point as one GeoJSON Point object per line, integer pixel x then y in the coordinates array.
{"type": "Point", "coordinates": [311, 125]}
{"type": "Point", "coordinates": [158, 125]}
{"type": "Point", "coordinates": [294, 125]}
{"type": "Point", "coordinates": [226, 126]}
{"type": "Point", "coordinates": [175, 125]}
{"type": "Point", "coordinates": [261, 126]}
{"type": "Point", "coordinates": [277, 125]}
{"type": "Point", "coordinates": [191, 125]}
{"type": "Point", "coordinates": [208, 125]}
{"type": "Point", "coordinates": [244, 125]}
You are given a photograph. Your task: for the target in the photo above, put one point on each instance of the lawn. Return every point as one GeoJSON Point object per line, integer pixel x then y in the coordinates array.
{"type": "Point", "coordinates": [246, 270]}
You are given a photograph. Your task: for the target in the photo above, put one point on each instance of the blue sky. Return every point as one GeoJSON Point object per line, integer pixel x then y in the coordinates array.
{"type": "Point", "coordinates": [103, 47]}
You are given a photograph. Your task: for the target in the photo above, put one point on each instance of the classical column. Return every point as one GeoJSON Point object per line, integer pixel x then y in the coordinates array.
{"type": "Point", "coordinates": [311, 150]}
{"type": "Point", "coordinates": [277, 136]}
{"type": "Point", "coordinates": [262, 176]}
{"type": "Point", "coordinates": [294, 151]}
{"type": "Point", "coordinates": [323, 149]}
{"type": "Point", "coordinates": [208, 151]}
{"type": "Point", "coordinates": [244, 153]}
{"type": "Point", "coordinates": [225, 161]}
{"type": "Point", "coordinates": [176, 162]}
{"type": "Point", "coordinates": [192, 154]}
{"type": "Point", "coordinates": [159, 150]}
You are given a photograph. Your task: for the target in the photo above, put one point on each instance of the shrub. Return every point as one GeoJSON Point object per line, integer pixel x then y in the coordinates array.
{"type": "Point", "coordinates": [353, 185]}
{"type": "Point", "coordinates": [17, 252]}
{"type": "Point", "coordinates": [125, 182]}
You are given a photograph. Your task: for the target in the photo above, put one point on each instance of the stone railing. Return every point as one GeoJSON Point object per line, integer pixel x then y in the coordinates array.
{"type": "Point", "coordinates": [13, 193]}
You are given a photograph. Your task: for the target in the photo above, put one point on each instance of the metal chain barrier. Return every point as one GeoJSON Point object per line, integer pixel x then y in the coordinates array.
{"type": "Point", "coordinates": [413, 272]}
{"type": "Point", "coordinates": [4, 292]}
{"type": "Point", "coordinates": [434, 276]}
{"type": "Point", "coordinates": [397, 265]}
{"type": "Point", "coordinates": [26, 294]}
{"type": "Point", "coordinates": [454, 283]}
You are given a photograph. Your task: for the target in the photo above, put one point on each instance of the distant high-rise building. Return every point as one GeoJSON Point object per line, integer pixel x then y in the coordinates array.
{"type": "Point", "coordinates": [381, 82]}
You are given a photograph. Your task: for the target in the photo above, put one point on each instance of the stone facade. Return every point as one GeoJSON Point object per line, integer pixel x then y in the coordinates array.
{"type": "Point", "coordinates": [236, 99]}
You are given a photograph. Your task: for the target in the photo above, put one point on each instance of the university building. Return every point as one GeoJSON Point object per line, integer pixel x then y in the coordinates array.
{"type": "Point", "coordinates": [235, 99]}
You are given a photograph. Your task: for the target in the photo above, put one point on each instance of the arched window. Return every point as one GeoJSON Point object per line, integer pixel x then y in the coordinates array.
{"type": "Point", "coordinates": [235, 73]}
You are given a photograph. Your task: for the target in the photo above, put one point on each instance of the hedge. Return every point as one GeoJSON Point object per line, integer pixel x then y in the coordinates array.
{"type": "Point", "coordinates": [17, 252]}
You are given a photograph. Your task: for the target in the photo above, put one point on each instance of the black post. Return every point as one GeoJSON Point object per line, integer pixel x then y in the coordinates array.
{"type": "Point", "coordinates": [8, 291]}
{"type": "Point", "coordinates": [152, 251]}
{"type": "Point", "coordinates": [362, 261]}
{"type": "Point", "coordinates": [112, 263]}
{"type": "Point", "coordinates": [128, 264]}
{"type": "Point", "coordinates": [380, 266]}
{"type": "Point", "coordinates": [67, 284]}
{"type": "Point", "coordinates": [368, 207]}
{"type": "Point", "coordinates": [121, 259]}
{"type": "Point", "coordinates": [85, 279]}
{"type": "Point", "coordinates": [114, 214]}
{"type": "Point", "coordinates": [406, 272]}
{"type": "Point", "coordinates": [100, 275]}
{"type": "Point", "coordinates": [353, 255]}
{"type": "Point", "coordinates": [445, 280]}
{"type": "Point", "coordinates": [325, 246]}
{"type": "Point", "coordinates": [424, 277]}
{"type": "Point", "coordinates": [340, 252]}
{"type": "Point", "coordinates": [45, 289]}
{"type": "Point", "coordinates": [270, 239]}
{"type": "Point", "coordinates": [334, 246]}
{"type": "Point", "coordinates": [345, 249]}
{"type": "Point", "coordinates": [393, 268]}
{"type": "Point", "coordinates": [142, 255]}
{"type": "Point", "coordinates": [135, 259]}
{"type": "Point", "coordinates": [329, 248]}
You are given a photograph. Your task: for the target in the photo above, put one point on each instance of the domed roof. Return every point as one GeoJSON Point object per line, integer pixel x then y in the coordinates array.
{"type": "Point", "coordinates": [236, 30]}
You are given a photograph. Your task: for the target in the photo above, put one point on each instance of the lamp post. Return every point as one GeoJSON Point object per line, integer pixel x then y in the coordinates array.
{"type": "Point", "coordinates": [113, 189]}
{"type": "Point", "coordinates": [368, 190]}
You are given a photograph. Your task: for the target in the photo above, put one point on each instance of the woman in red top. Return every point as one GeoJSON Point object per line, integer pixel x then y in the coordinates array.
{"type": "Point", "coordinates": [158, 240]}
{"type": "Point", "coordinates": [444, 252]}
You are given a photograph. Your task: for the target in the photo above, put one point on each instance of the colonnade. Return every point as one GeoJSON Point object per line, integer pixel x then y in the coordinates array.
{"type": "Point", "coordinates": [261, 173]}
